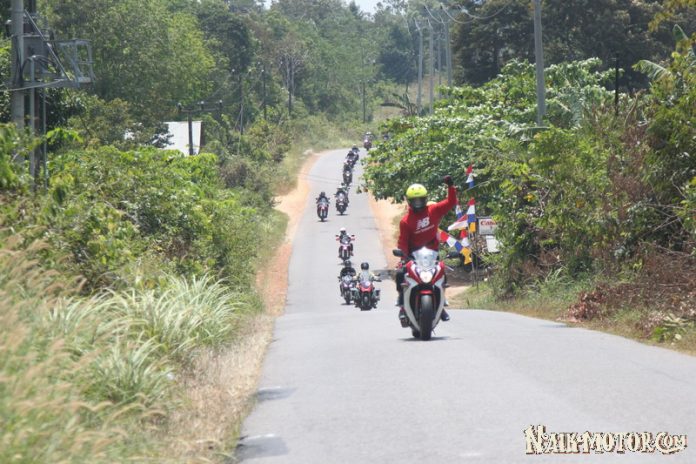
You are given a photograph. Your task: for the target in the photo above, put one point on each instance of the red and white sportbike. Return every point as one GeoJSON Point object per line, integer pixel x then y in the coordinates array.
{"type": "Point", "coordinates": [424, 297]}
{"type": "Point", "coordinates": [345, 250]}
{"type": "Point", "coordinates": [323, 209]}
{"type": "Point", "coordinates": [366, 295]}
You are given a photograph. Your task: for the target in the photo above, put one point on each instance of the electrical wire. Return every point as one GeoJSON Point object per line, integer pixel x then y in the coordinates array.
{"type": "Point", "coordinates": [472, 16]}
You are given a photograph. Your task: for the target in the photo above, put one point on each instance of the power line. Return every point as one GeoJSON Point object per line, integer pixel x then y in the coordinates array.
{"type": "Point", "coordinates": [466, 12]}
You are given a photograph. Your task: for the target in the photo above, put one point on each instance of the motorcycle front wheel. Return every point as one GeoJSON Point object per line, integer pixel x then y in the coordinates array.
{"type": "Point", "coordinates": [425, 319]}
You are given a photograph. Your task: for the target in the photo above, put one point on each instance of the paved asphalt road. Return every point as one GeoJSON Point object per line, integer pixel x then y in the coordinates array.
{"type": "Point", "coordinates": [344, 386]}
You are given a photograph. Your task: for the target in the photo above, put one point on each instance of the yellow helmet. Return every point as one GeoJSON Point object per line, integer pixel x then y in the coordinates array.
{"type": "Point", "coordinates": [416, 191]}
{"type": "Point", "coordinates": [417, 196]}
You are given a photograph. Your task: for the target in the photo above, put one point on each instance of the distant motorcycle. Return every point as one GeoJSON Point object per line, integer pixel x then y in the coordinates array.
{"type": "Point", "coordinates": [341, 203]}
{"type": "Point", "coordinates": [424, 291]}
{"type": "Point", "coordinates": [347, 286]}
{"type": "Point", "coordinates": [347, 176]}
{"type": "Point", "coordinates": [367, 143]}
{"type": "Point", "coordinates": [344, 247]}
{"type": "Point", "coordinates": [323, 209]}
{"type": "Point", "coordinates": [352, 158]}
{"type": "Point", "coordinates": [366, 295]}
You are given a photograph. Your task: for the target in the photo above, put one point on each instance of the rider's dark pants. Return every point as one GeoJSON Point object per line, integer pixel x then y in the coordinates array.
{"type": "Point", "coordinates": [400, 279]}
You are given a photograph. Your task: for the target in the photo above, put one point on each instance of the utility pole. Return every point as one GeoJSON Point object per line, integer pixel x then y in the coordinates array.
{"type": "Point", "coordinates": [420, 67]}
{"type": "Point", "coordinates": [448, 52]}
{"type": "Point", "coordinates": [432, 65]}
{"type": "Point", "coordinates": [364, 106]}
{"type": "Point", "coordinates": [241, 103]}
{"type": "Point", "coordinates": [263, 79]}
{"type": "Point", "coordinates": [539, 57]}
{"type": "Point", "coordinates": [200, 107]}
{"type": "Point", "coordinates": [35, 66]}
{"type": "Point", "coordinates": [439, 62]}
{"type": "Point", "coordinates": [17, 95]}
{"type": "Point", "coordinates": [616, 86]}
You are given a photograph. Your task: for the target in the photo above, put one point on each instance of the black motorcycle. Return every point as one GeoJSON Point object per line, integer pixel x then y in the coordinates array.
{"type": "Point", "coordinates": [347, 176]}
{"type": "Point", "coordinates": [341, 203]}
{"type": "Point", "coordinates": [346, 287]}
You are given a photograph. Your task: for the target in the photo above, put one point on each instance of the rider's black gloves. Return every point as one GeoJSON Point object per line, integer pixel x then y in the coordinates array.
{"type": "Point", "coordinates": [448, 180]}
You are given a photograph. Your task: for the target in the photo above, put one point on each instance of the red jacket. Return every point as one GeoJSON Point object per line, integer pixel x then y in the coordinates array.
{"type": "Point", "coordinates": [417, 230]}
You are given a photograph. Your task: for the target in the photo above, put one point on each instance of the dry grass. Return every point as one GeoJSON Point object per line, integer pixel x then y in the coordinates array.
{"type": "Point", "coordinates": [219, 390]}
{"type": "Point", "coordinates": [43, 412]}
{"type": "Point", "coordinates": [218, 393]}
{"type": "Point", "coordinates": [623, 309]}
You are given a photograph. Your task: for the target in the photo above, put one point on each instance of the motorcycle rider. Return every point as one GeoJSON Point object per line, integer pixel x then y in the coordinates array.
{"type": "Point", "coordinates": [347, 269]}
{"type": "Point", "coordinates": [367, 140]}
{"type": "Point", "coordinates": [367, 275]}
{"type": "Point", "coordinates": [322, 197]}
{"type": "Point", "coordinates": [343, 235]}
{"type": "Point", "coordinates": [418, 228]}
{"type": "Point", "coordinates": [340, 191]}
{"type": "Point", "coordinates": [353, 156]}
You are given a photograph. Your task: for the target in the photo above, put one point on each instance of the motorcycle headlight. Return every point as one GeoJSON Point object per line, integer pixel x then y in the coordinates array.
{"type": "Point", "coordinates": [426, 276]}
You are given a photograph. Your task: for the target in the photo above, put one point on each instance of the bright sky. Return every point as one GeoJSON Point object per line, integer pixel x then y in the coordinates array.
{"type": "Point", "coordinates": [367, 6]}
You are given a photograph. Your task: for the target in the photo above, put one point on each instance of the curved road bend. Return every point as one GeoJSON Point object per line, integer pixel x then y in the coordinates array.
{"type": "Point", "coordinates": [344, 386]}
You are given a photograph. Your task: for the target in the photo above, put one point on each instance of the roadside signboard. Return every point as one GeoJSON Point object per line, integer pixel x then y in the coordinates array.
{"type": "Point", "coordinates": [486, 225]}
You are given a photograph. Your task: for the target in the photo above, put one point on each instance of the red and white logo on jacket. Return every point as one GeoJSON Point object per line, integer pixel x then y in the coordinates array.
{"type": "Point", "coordinates": [422, 224]}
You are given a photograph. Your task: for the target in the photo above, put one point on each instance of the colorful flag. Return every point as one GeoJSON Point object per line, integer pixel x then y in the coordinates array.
{"type": "Point", "coordinates": [464, 239]}
{"type": "Point", "coordinates": [467, 255]}
{"type": "Point", "coordinates": [470, 176]}
{"type": "Point", "coordinates": [471, 211]}
{"type": "Point", "coordinates": [460, 223]}
{"type": "Point", "coordinates": [462, 246]}
{"type": "Point", "coordinates": [447, 238]}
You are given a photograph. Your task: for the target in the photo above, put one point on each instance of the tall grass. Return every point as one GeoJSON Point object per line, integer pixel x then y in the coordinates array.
{"type": "Point", "coordinates": [79, 377]}
{"type": "Point", "coordinates": [546, 298]}
{"type": "Point", "coordinates": [42, 413]}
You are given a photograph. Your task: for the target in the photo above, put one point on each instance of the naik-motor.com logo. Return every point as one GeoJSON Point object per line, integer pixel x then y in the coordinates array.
{"type": "Point", "coordinates": [539, 441]}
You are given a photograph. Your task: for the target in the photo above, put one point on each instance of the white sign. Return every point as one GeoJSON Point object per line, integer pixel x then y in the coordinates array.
{"type": "Point", "coordinates": [487, 225]}
{"type": "Point", "coordinates": [492, 245]}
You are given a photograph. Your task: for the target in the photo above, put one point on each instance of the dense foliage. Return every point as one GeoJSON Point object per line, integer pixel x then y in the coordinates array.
{"type": "Point", "coordinates": [585, 194]}
{"type": "Point", "coordinates": [496, 31]}
{"type": "Point", "coordinates": [110, 209]}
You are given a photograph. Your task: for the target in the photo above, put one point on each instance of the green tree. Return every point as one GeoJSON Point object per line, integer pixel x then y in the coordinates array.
{"type": "Point", "coordinates": [143, 53]}
{"type": "Point", "coordinates": [482, 46]}
{"type": "Point", "coordinates": [398, 55]}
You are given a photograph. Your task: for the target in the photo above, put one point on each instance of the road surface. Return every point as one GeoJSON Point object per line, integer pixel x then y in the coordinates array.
{"type": "Point", "coordinates": [344, 386]}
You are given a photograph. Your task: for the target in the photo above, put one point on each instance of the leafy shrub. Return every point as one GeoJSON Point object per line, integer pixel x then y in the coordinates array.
{"type": "Point", "coordinates": [581, 195]}
{"type": "Point", "coordinates": [110, 209]}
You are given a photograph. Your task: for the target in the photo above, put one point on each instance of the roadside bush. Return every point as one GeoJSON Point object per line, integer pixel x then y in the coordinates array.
{"type": "Point", "coordinates": [110, 209]}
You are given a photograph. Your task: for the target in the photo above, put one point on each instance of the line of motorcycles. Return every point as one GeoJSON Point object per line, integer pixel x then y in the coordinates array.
{"type": "Point", "coordinates": [341, 194]}
{"type": "Point", "coordinates": [424, 277]}
{"type": "Point", "coordinates": [358, 288]}
{"type": "Point", "coordinates": [355, 288]}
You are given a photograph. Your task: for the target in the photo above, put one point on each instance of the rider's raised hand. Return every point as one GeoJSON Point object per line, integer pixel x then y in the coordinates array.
{"type": "Point", "coordinates": [448, 180]}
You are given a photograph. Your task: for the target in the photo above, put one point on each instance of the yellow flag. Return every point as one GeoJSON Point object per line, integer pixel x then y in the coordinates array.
{"type": "Point", "coordinates": [467, 255]}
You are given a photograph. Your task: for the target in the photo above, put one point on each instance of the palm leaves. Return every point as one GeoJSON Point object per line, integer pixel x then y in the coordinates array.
{"type": "Point", "coordinates": [656, 72]}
